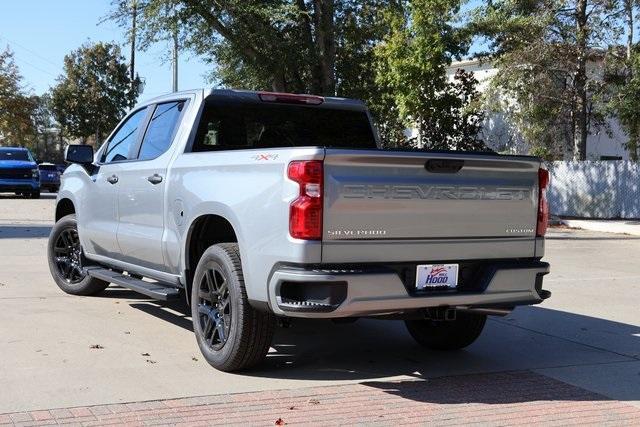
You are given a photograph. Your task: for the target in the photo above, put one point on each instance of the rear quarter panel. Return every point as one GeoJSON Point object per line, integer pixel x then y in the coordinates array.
{"type": "Point", "coordinates": [250, 189]}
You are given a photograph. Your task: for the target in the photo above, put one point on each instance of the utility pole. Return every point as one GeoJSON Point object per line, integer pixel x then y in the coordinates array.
{"type": "Point", "coordinates": [175, 56]}
{"type": "Point", "coordinates": [132, 65]}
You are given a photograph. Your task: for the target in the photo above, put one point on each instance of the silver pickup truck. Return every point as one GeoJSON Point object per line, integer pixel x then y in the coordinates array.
{"type": "Point", "coordinates": [260, 206]}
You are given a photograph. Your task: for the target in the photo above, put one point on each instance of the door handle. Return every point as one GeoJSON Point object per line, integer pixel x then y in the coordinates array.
{"type": "Point", "coordinates": [112, 179]}
{"type": "Point", "coordinates": [155, 179]}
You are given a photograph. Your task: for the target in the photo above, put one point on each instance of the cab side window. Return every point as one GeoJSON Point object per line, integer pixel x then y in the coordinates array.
{"type": "Point", "coordinates": [161, 130]}
{"type": "Point", "coordinates": [121, 143]}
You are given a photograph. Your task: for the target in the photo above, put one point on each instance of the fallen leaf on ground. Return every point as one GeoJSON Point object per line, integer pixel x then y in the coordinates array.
{"type": "Point", "coordinates": [195, 359]}
{"type": "Point", "coordinates": [280, 422]}
{"type": "Point", "coordinates": [150, 361]}
{"type": "Point", "coordinates": [145, 354]}
{"type": "Point", "coordinates": [96, 347]}
{"type": "Point", "coordinates": [314, 401]}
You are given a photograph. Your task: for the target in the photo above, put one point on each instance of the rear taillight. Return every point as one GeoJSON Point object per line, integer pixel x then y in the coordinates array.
{"type": "Point", "coordinates": [305, 213]}
{"type": "Point", "coordinates": [543, 206]}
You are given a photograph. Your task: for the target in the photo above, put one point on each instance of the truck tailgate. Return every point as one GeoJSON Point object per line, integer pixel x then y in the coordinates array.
{"type": "Point", "coordinates": [387, 195]}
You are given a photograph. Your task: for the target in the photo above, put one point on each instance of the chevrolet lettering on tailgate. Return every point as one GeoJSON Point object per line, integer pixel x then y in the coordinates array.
{"type": "Point", "coordinates": [362, 191]}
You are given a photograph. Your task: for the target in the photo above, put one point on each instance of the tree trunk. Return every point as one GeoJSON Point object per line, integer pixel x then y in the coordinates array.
{"type": "Point", "coordinates": [279, 83]}
{"type": "Point", "coordinates": [634, 135]}
{"type": "Point", "coordinates": [307, 37]}
{"type": "Point", "coordinates": [580, 83]}
{"type": "Point", "coordinates": [326, 43]}
{"type": "Point", "coordinates": [634, 143]}
{"type": "Point", "coordinates": [97, 142]}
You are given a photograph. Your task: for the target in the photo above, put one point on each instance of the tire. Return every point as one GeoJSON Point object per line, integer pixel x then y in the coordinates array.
{"type": "Point", "coordinates": [447, 335]}
{"type": "Point", "coordinates": [68, 274]}
{"type": "Point", "coordinates": [34, 195]}
{"type": "Point", "coordinates": [240, 337]}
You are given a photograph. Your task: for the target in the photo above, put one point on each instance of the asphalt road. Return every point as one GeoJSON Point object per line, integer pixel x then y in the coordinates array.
{"type": "Point", "coordinates": [587, 334]}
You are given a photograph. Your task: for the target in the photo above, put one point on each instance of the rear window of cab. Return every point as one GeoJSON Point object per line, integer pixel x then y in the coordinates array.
{"type": "Point", "coordinates": [233, 125]}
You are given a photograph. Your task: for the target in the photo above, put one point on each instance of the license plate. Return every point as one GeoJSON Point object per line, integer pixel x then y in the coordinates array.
{"type": "Point", "coordinates": [437, 276]}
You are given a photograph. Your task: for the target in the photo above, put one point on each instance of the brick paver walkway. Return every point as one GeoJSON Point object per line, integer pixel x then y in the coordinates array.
{"type": "Point", "coordinates": [512, 398]}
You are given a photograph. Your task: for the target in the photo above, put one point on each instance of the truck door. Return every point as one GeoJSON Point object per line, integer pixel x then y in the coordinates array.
{"type": "Point", "coordinates": [141, 199]}
{"type": "Point", "coordinates": [98, 212]}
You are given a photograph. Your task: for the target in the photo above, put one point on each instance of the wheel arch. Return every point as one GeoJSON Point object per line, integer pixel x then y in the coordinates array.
{"type": "Point", "coordinates": [64, 207]}
{"type": "Point", "coordinates": [205, 230]}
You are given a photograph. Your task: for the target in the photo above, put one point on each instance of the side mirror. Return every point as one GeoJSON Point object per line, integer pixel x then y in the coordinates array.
{"type": "Point", "coordinates": [81, 154]}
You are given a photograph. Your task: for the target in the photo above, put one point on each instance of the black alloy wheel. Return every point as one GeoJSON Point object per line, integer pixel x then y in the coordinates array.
{"type": "Point", "coordinates": [214, 307]}
{"type": "Point", "coordinates": [231, 334]}
{"type": "Point", "coordinates": [67, 261]}
{"type": "Point", "coordinates": [68, 256]}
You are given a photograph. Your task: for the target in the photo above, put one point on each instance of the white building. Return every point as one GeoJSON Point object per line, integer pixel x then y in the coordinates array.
{"type": "Point", "coordinates": [504, 138]}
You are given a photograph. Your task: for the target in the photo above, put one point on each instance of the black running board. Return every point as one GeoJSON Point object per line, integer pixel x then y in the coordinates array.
{"type": "Point", "coordinates": [155, 290]}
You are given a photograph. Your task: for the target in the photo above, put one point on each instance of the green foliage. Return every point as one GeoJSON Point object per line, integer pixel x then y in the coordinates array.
{"type": "Point", "coordinates": [308, 46]}
{"type": "Point", "coordinates": [624, 103]}
{"type": "Point", "coordinates": [548, 53]}
{"type": "Point", "coordinates": [94, 92]}
{"type": "Point", "coordinates": [16, 105]}
{"type": "Point", "coordinates": [330, 47]}
{"type": "Point", "coordinates": [411, 70]}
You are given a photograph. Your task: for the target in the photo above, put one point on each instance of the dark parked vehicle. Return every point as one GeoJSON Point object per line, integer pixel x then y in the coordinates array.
{"type": "Point", "coordinates": [19, 172]}
{"type": "Point", "coordinates": [49, 177]}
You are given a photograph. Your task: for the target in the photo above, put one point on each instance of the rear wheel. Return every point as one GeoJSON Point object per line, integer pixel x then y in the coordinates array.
{"type": "Point", "coordinates": [231, 334]}
{"type": "Point", "coordinates": [66, 259]}
{"type": "Point", "coordinates": [447, 334]}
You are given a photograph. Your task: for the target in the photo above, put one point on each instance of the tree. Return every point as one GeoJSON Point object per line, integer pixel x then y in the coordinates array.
{"type": "Point", "coordinates": [47, 132]}
{"type": "Point", "coordinates": [547, 53]}
{"type": "Point", "coordinates": [412, 69]}
{"type": "Point", "coordinates": [623, 77]}
{"type": "Point", "coordinates": [624, 103]}
{"type": "Point", "coordinates": [16, 105]}
{"type": "Point", "coordinates": [94, 92]}
{"type": "Point", "coordinates": [310, 46]}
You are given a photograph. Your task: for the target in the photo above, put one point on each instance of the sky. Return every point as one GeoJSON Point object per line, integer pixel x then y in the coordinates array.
{"type": "Point", "coordinates": [42, 32]}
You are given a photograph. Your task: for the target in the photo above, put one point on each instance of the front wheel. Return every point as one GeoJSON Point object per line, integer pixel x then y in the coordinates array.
{"type": "Point", "coordinates": [231, 334]}
{"type": "Point", "coordinates": [447, 334]}
{"type": "Point", "coordinates": [65, 260]}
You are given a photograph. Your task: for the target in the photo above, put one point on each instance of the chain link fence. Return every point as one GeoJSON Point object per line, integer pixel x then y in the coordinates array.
{"type": "Point", "coordinates": [595, 189]}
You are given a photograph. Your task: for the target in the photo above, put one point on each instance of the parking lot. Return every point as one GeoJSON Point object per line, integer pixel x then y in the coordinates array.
{"type": "Point", "coordinates": [582, 345]}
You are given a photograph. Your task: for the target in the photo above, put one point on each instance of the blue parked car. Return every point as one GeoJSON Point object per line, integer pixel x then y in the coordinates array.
{"type": "Point", "coordinates": [49, 177]}
{"type": "Point", "coordinates": [19, 172]}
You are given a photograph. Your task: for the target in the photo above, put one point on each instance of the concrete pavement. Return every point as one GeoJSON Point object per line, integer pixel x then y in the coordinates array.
{"type": "Point", "coordinates": [587, 335]}
{"type": "Point", "coordinates": [621, 226]}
